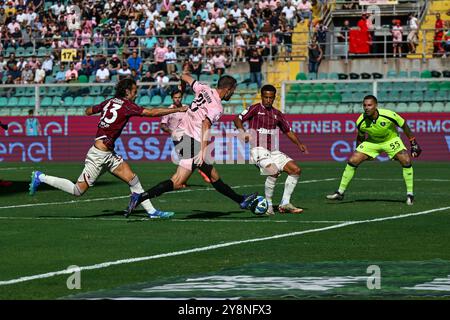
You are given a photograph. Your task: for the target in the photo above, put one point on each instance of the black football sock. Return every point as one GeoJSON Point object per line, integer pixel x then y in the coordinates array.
{"type": "Point", "coordinates": [225, 189]}
{"type": "Point", "coordinates": [157, 190]}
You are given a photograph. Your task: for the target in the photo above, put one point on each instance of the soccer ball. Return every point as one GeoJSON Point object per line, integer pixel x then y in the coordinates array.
{"type": "Point", "coordinates": [259, 206]}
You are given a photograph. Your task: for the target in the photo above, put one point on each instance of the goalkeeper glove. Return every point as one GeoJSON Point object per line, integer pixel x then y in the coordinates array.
{"type": "Point", "coordinates": [415, 149]}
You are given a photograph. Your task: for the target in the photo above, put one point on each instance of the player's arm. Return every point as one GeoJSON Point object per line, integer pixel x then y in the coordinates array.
{"type": "Point", "coordinates": [159, 112]}
{"type": "Point", "coordinates": [415, 148]}
{"type": "Point", "coordinates": [293, 137]}
{"type": "Point", "coordinates": [165, 128]}
{"type": "Point", "coordinates": [240, 126]}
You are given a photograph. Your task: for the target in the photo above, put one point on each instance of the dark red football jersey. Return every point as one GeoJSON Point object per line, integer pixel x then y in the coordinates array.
{"type": "Point", "coordinates": [266, 122]}
{"type": "Point", "coordinates": [115, 115]}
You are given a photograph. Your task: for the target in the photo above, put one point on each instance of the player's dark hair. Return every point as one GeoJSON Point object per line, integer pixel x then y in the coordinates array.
{"type": "Point", "coordinates": [226, 82]}
{"type": "Point", "coordinates": [268, 87]}
{"type": "Point", "coordinates": [371, 97]}
{"type": "Point", "coordinates": [176, 91]}
{"type": "Point", "coordinates": [123, 85]}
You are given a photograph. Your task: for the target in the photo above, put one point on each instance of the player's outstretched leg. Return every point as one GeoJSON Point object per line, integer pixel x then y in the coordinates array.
{"type": "Point", "coordinates": [138, 198]}
{"type": "Point", "coordinates": [62, 184]}
{"type": "Point", "coordinates": [293, 172]}
{"type": "Point", "coordinates": [347, 177]}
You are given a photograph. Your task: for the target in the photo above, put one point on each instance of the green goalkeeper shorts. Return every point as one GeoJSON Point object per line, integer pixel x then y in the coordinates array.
{"type": "Point", "coordinates": [391, 147]}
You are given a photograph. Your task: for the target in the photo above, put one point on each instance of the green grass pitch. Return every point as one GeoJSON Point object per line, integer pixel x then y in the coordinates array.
{"type": "Point", "coordinates": [209, 233]}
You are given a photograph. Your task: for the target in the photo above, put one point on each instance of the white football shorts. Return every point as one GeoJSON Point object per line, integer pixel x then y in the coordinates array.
{"type": "Point", "coordinates": [97, 162]}
{"type": "Point", "coordinates": [263, 158]}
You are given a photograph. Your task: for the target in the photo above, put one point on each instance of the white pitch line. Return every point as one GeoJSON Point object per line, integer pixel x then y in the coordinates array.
{"type": "Point", "coordinates": [208, 248]}
{"type": "Point", "coordinates": [123, 197]}
{"type": "Point", "coordinates": [17, 168]}
{"type": "Point", "coordinates": [262, 220]}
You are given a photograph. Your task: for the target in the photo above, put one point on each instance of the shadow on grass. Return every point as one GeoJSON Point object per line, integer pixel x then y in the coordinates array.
{"type": "Point", "coordinates": [367, 200]}
{"type": "Point", "coordinates": [23, 187]}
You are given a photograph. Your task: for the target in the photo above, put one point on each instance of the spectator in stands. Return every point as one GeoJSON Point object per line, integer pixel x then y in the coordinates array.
{"type": "Point", "coordinates": [196, 60]}
{"type": "Point", "coordinates": [9, 92]}
{"type": "Point", "coordinates": [124, 71]}
{"type": "Point", "coordinates": [304, 10]}
{"type": "Point", "coordinates": [321, 35]}
{"type": "Point", "coordinates": [170, 59]}
{"type": "Point", "coordinates": [2, 66]}
{"type": "Point", "coordinates": [287, 41]}
{"type": "Point", "coordinates": [446, 42]}
{"type": "Point", "coordinates": [413, 26]}
{"type": "Point", "coordinates": [90, 64]}
{"type": "Point", "coordinates": [240, 47]}
{"type": "Point", "coordinates": [135, 62]}
{"type": "Point", "coordinates": [342, 36]}
{"type": "Point", "coordinates": [219, 63]}
{"type": "Point", "coordinates": [27, 37]}
{"type": "Point", "coordinates": [61, 74]}
{"type": "Point", "coordinates": [161, 85]}
{"type": "Point", "coordinates": [71, 73]}
{"type": "Point", "coordinates": [47, 65]}
{"type": "Point", "coordinates": [255, 62]}
{"type": "Point", "coordinates": [397, 37]}
{"type": "Point", "coordinates": [27, 75]}
{"type": "Point", "coordinates": [160, 55]}
{"type": "Point", "coordinates": [184, 42]}
{"type": "Point", "coordinates": [315, 55]}
{"type": "Point", "coordinates": [114, 65]}
{"type": "Point", "coordinates": [39, 74]}
{"type": "Point", "coordinates": [147, 78]}
{"type": "Point", "coordinates": [438, 35]}
{"type": "Point", "coordinates": [102, 74]}
{"type": "Point", "coordinates": [290, 12]}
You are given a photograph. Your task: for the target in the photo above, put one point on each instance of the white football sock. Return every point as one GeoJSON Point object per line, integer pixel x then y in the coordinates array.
{"type": "Point", "coordinates": [289, 186]}
{"type": "Point", "coordinates": [135, 186]}
{"type": "Point", "coordinates": [59, 183]}
{"type": "Point", "coordinates": [269, 188]}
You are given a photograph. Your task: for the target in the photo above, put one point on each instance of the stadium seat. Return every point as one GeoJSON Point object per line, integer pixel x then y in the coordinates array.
{"type": "Point", "coordinates": [167, 100]}
{"type": "Point", "coordinates": [49, 79]}
{"type": "Point", "coordinates": [441, 96]}
{"type": "Point", "coordinates": [88, 101]}
{"type": "Point", "coordinates": [301, 76]}
{"type": "Point", "coordinates": [56, 102]}
{"type": "Point", "coordinates": [391, 74]}
{"type": "Point", "coordinates": [330, 108]}
{"type": "Point", "coordinates": [29, 91]}
{"type": "Point", "coordinates": [156, 101]}
{"type": "Point", "coordinates": [20, 91]}
{"type": "Point", "coordinates": [187, 99]}
{"type": "Point", "coordinates": [429, 95]}
{"type": "Point", "coordinates": [333, 76]}
{"type": "Point", "coordinates": [426, 106]}
{"type": "Point", "coordinates": [437, 107]}
{"type": "Point", "coordinates": [343, 108]}
{"type": "Point", "coordinates": [413, 107]}
{"type": "Point", "coordinates": [68, 101]}
{"type": "Point", "coordinates": [4, 111]}
{"type": "Point", "coordinates": [323, 76]}
{"type": "Point", "coordinates": [312, 76]}
{"type": "Point", "coordinates": [402, 107]}
{"type": "Point", "coordinates": [46, 102]}
{"type": "Point", "coordinates": [95, 90]}
{"type": "Point", "coordinates": [426, 74]}
{"type": "Point", "coordinates": [319, 109]}
{"type": "Point", "coordinates": [390, 105]}
{"type": "Point", "coordinates": [324, 97]}
{"type": "Point", "coordinates": [23, 102]}
{"type": "Point", "coordinates": [329, 87]}
{"type": "Point", "coordinates": [78, 101]}
{"type": "Point", "coordinates": [13, 102]}
{"type": "Point", "coordinates": [83, 79]}
{"type": "Point", "coordinates": [414, 74]}
{"type": "Point", "coordinates": [308, 109]}
{"type": "Point", "coordinates": [144, 101]}
{"type": "Point", "coordinates": [60, 111]}
{"type": "Point", "coordinates": [16, 112]}
{"type": "Point", "coordinates": [403, 74]}
{"type": "Point", "coordinates": [318, 87]}
{"type": "Point", "coordinates": [295, 109]}
{"type": "Point", "coordinates": [306, 88]}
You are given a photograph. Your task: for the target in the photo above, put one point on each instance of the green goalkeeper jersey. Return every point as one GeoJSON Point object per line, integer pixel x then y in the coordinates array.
{"type": "Point", "coordinates": [383, 129]}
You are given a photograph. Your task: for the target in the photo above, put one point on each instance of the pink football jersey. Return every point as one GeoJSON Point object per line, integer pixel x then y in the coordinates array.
{"type": "Point", "coordinates": [206, 105]}
{"type": "Point", "coordinates": [172, 120]}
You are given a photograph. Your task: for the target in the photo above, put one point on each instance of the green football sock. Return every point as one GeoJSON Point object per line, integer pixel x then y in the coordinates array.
{"type": "Point", "coordinates": [408, 175]}
{"type": "Point", "coordinates": [347, 176]}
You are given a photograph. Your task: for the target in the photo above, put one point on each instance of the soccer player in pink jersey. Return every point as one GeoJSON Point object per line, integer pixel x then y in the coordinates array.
{"type": "Point", "coordinates": [264, 121]}
{"type": "Point", "coordinates": [101, 157]}
{"type": "Point", "coordinates": [170, 122]}
{"type": "Point", "coordinates": [191, 141]}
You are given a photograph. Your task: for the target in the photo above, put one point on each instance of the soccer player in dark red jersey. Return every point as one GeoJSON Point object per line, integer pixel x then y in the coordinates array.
{"type": "Point", "coordinates": [264, 122]}
{"type": "Point", "coordinates": [115, 113]}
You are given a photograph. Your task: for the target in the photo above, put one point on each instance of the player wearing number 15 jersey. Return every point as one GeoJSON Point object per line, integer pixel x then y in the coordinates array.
{"type": "Point", "coordinates": [101, 157]}
{"type": "Point", "coordinates": [377, 133]}
{"type": "Point", "coordinates": [191, 140]}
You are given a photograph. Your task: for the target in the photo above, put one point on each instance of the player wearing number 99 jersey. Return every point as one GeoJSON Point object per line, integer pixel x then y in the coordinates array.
{"type": "Point", "coordinates": [377, 133]}
{"type": "Point", "coordinates": [101, 157]}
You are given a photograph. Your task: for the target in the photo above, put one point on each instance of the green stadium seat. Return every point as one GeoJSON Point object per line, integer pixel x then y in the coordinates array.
{"type": "Point", "coordinates": [445, 86]}
{"type": "Point", "coordinates": [312, 99]}
{"type": "Point", "coordinates": [343, 108]}
{"type": "Point", "coordinates": [301, 76]}
{"type": "Point", "coordinates": [319, 109]}
{"type": "Point", "coordinates": [83, 79]}
{"type": "Point", "coordinates": [29, 91]}
{"type": "Point", "coordinates": [308, 109]}
{"type": "Point", "coordinates": [78, 101]}
{"type": "Point", "coordinates": [347, 97]}
{"type": "Point", "coordinates": [306, 88]}
{"type": "Point", "coordinates": [390, 105]}
{"type": "Point", "coordinates": [187, 99]}
{"type": "Point", "coordinates": [60, 111]}
{"type": "Point", "coordinates": [392, 74]}
{"type": "Point", "coordinates": [324, 97]}
{"type": "Point", "coordinates": [5, 111]}
{"type": "Point", "coordinates": [302, 98]}
{"type": "Point", "coordinates": [56, 101]}
{"type": "Point", "coordinates": [426, 74]}
{"type": "Point", "coordinates": [447, 107]}
{"type": "Point", "coordinates": [95, 90]}
{"type": "Point", "coordinates": [71, 111]}
{"type": "Point", "coordinates": [429, 95]}
{"type": "Point", "coordinates": [295, 109]}
{"type": "Point", "coordinates": [23, 102]}
{"type": "Point", "coordinates": [46, 102]}
{"type": "Point", "coordinates": [88, 101]}
{"type": "Point", "coordinates": [49, 79]}
{"type": "Point", "coordinates": [16, 112]}
{"type": "Point", "coordinates": [156, 101]}
{"type": "Point", "coordinates": [426, 106]}
{"type": "Point", "coordinates": [20, 52]}
{"type": "Point", "coordinates": [20, 91]}
{"type": "Point", "coordinates": [403, 74]}
{"type": "Point", "coordinates": [296, 87]}
{"type": "Point", "coordinates": [167, 100]}
{"type": "Point", "coordinates": [13, 102]}
{"type": "Point", "coordinates": [98, 99]}
{"type": "Point", "coordinates": [414, 74]}
{"type": "Point", "coordinates": [417, 96]}
{"type": "Point", "coordinates": [323, 76]}
{"type": "Point", "coordinates": [437, 107]}
{"type": "Point", "coordinates": [329, 87]}
{"type": "Point", "coordinates": [68, 101]}
{"type": "Point", "coordinates": [415, 106]}
{"type": "Point", "coordinates": [330, 108]}
{"type": "Point", "coordinates": [402, 107]}
{"type": "Point", "coordinates": [433, 86]}
{"type": "Point", "coordinates": [336, 97]}
{"type": "Point", "coordinates": [318, 87]}
{"type": "Point", "coordinates": [333, 76]}
{"type": "Point", "coordinates": [312, 76]}
{"type": "Point", "coordinates": [144, 101]}
{"type": "Point", "coordinates": [441, 96]}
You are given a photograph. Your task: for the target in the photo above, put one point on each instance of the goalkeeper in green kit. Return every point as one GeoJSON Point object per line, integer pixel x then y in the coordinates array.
{"type": "Point", "coordinates": [377, 133]}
